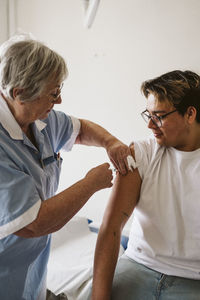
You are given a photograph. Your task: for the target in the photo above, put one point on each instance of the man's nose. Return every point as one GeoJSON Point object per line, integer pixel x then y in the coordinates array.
{"type": "Point", "coordinates": [151, 124]}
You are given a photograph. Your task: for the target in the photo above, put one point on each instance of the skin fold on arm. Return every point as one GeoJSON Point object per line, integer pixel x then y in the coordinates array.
{"type": "Point", "coordinates": [123, 199]}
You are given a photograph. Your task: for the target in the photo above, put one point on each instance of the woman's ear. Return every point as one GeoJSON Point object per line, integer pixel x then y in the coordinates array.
{"type": "Point", "coordinates": [16, 93]}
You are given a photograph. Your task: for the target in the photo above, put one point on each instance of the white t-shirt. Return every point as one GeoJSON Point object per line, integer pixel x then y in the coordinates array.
{"type": "Point", "coordinates": [165, 233]}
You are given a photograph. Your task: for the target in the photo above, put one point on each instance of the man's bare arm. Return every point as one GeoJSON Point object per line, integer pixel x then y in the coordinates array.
{"type": "Point", "coordinates": [123, 199]}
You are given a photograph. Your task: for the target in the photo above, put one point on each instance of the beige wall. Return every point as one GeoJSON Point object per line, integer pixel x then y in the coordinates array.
{"type": "Point", "coordinates": [3, 20]}
{"type": "Point", "coordinates": [8, 22]}
{"type": "Point", "coordinates": [130, 41]}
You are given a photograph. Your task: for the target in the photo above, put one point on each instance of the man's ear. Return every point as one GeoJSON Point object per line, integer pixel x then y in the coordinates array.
{"type": "Point", "coordinates": [191, 114]}
{"type": "Point", "coordinates": [16, 93]}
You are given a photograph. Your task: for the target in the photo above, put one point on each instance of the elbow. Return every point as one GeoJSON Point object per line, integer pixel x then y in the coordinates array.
{"type": "Point", "coordinates": [25, 233]}
{"type": "Point", "coordinates": [32, 230]}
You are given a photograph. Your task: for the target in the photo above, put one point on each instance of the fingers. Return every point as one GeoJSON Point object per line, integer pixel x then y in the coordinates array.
{"type": "Point", "coordinates": [122, 166]}
{"type": "Point", "coordinates": [114, 164]}
{"type": "Point", "coordinates": [122, 159]}
{"type": "Point", "coordinates": [121, 163]}
{"type": "Point", "coordinates": [106, 175]}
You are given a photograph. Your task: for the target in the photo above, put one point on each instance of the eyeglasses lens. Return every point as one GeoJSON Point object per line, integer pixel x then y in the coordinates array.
{"type": "Point", "coordinates": [154, 119]}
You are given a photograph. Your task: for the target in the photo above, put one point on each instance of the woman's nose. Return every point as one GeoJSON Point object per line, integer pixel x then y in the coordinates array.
{"type": "Point", "coordinates": [58, 100]}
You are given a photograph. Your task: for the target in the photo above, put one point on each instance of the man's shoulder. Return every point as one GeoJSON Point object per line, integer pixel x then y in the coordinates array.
{"type": "Point", "coordinates": [147, 145]}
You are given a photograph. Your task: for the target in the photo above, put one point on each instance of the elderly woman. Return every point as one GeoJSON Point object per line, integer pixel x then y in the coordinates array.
{"type": "Point", "coordinates": [31, 136]}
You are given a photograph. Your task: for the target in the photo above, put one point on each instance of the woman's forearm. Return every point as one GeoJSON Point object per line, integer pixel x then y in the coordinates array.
{"type": "Point", "coordinates": [58, 210]}
{"type": "Point", "coordinates": [92, 134]}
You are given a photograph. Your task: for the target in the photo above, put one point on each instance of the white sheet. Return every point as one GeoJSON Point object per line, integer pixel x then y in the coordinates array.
{"type": "Point", "coordinates": [71, 259]}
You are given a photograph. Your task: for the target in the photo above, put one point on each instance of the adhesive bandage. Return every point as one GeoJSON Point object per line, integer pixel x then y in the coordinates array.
{"type": "Point", "coordinates": [131, 163]}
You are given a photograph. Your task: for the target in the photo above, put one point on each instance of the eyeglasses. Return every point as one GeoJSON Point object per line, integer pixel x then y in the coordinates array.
{"type": "Point", "coordinates": [157, 120]}
{"type": "Point", "coordinates": [56, 95]}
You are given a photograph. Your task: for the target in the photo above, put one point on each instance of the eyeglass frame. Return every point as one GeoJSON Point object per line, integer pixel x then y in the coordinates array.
{"type": "Point", "coordinates": [159, 118]}
{"type": "Point", "coordinates": [56, 96]}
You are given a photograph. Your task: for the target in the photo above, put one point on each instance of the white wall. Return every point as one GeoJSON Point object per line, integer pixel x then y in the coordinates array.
{"type": "Point", "coordinates": [8, 24]}
{"type": "Point", "coordinates": [130, 41]}
{"type": "Point", "coordinates": [3, 20]}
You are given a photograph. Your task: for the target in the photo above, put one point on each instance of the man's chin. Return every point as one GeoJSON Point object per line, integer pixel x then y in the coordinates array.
{"type": "Point", "coordinates": [160, 142]}
{"type": "Point", "coordinates": [163, 143]}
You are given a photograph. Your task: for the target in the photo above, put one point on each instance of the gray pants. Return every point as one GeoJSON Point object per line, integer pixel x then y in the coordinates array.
{"type": "Point", "coordinates": [134, 281]}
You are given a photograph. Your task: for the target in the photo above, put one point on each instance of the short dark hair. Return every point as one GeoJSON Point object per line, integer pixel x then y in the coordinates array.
{"type": "Point", "coordinates": [180, 88]}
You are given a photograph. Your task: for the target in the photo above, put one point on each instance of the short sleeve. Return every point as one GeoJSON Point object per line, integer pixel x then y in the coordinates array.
{"type": "Point", "coordinates": [144, 151]}
{"type": "Point", "coordinates": [62, 130]}
{"type": "Point", "coordinates": [19, 200]}
{"type": "Point", "coordinates": [76, 129]}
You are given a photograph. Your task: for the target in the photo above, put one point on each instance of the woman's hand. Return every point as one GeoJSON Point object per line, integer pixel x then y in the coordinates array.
{"type": "Point", "coordinates": [92, 134]}
{"type": "Point", "coordinates": [101, 176]}
{"type": "Point", "coordinates": [118, 152]}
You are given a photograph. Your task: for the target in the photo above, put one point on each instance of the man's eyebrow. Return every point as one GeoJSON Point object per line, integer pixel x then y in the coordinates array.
{"type": "Point", "coordinates": [157, 111]}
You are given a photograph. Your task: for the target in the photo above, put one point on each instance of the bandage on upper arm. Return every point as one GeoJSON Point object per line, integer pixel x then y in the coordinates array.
{"type": "Point", "coordinates": [130, 159]}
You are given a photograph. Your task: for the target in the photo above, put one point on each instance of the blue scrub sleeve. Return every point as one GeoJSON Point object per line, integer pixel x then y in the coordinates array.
{"type": "Point", "coordinates": [60, 129]}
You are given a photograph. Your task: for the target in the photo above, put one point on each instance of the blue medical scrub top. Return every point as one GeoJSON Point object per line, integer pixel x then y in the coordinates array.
{"type": "Point", "coordinates": [28, 176]}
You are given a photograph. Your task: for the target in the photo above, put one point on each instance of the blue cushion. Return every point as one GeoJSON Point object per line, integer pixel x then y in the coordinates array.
{"type": "Point", "coordinates": [124, 238]}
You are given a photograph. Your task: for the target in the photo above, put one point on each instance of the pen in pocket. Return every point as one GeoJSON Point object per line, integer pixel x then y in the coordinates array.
{"type": "Point", "coordinates": [58, 159]}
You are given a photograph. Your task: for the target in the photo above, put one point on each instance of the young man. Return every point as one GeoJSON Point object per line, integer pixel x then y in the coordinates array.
{"type": "Point", "coordinates": [162, 260]}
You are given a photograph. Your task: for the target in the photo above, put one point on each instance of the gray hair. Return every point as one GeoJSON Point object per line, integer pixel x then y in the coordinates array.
{"type": "Point", "coordinates": [29, 65]}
